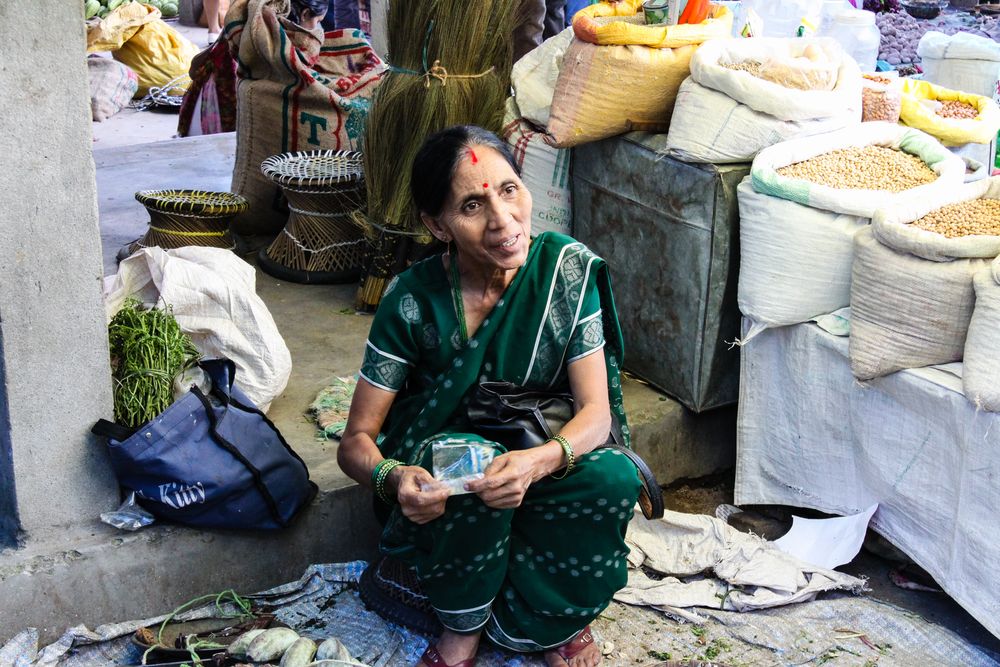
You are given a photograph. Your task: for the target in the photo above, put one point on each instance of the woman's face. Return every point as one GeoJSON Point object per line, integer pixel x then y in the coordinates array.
{"type": "Point", "coordinates": [487, 213]}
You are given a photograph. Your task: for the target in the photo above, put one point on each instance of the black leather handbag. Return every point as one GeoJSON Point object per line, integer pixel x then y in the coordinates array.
{"type": "Point", "coordinates": [520, 418]}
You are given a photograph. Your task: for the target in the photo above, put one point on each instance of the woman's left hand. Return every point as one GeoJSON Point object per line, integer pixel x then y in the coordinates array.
{"type": "Point", "coordinates": [507, 479]}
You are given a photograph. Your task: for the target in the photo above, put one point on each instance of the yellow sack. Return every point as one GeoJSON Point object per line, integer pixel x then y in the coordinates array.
{"type": "Point", "coordinates": [916, 113]}
{"type": "Point", "coordinates": [622, 33]}
{"type": "Point", "coordinates": [158, 54]}
{"type": "Point", "coordinates": [619, 82]}
{"type": "Point", "coordinates": [118, 26]}
{"type": "Point", "coordinates": [136, 36]}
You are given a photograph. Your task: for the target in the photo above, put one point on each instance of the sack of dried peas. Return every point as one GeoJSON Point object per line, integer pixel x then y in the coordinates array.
{"type": "Point", "coordinates": [738, 101]}
{"type": "Point", "coordinates": [981, 372]}
{"type": "Point", "coordinates": [805, 201]}
{"type": "Point", "coordinates": [912, 291]}
{"type": "Point", "coordinates": [951, 116]}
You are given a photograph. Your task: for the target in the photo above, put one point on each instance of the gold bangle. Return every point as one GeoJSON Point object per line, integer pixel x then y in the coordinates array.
{"type": "Point", "coordinates": [568, 451]}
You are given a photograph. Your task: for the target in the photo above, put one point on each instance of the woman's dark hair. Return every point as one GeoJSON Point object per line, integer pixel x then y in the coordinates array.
{"type": "Point", "coordinates": [315, 7]}
{"type": "Point", "coordinates": [436, 161]}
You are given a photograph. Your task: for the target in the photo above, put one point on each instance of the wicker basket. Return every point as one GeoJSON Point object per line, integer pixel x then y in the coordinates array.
{"type": "Point", "coordinates": [322, 242]}
{"type": "Point", "coordinates": [180, 218]}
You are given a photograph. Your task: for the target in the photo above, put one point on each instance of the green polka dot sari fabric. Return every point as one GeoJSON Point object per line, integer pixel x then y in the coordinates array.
{"type": "Point", "coordinates": [535, 576]}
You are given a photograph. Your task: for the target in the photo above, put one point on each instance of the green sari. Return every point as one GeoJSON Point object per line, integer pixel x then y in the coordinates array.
{"type": "Point", "coordinates": [535, 576]}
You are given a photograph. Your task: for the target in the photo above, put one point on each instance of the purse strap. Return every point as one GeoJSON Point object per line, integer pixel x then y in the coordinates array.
{"type": "Point", "coordinates": [258, 479]}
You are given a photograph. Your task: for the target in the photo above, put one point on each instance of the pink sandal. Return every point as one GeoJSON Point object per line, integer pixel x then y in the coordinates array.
{"type": "Point", "coordinates": [573, 647]}
{"type": "Point", "coordinates": [432, 658]}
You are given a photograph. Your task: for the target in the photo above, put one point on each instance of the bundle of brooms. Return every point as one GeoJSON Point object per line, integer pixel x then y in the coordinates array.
{"type": "Point", "coordinates": [450, 65]}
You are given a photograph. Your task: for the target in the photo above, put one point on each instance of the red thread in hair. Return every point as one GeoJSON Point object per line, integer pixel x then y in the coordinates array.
{"type": "Point", "coordinates": [472, 154]}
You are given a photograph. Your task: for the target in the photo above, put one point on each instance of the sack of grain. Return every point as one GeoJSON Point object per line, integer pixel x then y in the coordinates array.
{"type": "Point", "coordinates": [621, 75]}
{"type": "Point", "coordinates": [952, 117]}
{"type": "Point", "coordinates": [544, 171]}
{"type": "Point", "coordinates": [727, 114]}
{"type": "Point", "coordinates": [912, 291]}
{"type": "Point", "coordinates": [298, 90]}
{"type": "Point", "coordinates": [981, 371]}
{"type": "Point", "coordinates": [534, 77]}
{"type": "Point", "coordinates": [112, 86]}
{"type": "Point", "coordinates": [796, 234]}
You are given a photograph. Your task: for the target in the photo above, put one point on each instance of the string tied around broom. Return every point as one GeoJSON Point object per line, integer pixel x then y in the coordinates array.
{"type": "Point", "coordinates": [437, 70]}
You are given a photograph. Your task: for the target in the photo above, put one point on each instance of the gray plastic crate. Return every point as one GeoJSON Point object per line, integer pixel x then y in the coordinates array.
{"type": "Point", "coordinates": [670, 232]}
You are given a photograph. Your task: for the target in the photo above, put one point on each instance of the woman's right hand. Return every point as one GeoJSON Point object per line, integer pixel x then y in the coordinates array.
{"type": "Point", "coordinates": [420, 497]}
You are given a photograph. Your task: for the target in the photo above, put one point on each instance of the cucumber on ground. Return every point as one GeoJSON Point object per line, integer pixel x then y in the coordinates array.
{"type": "Point", "coordinates": [271, 644]}
{"type": "Point", "coordinates": [239, 647]}
{"type": "Point", "coordinates": [333, 649]}
{"type": "Point", "coordinates": [299, 654]}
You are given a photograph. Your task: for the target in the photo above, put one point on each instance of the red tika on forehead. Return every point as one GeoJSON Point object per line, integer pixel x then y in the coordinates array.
{"type": "Point", "coordinates": [486, 186]}
{"type": "Point", "coordinates": [472, 156]}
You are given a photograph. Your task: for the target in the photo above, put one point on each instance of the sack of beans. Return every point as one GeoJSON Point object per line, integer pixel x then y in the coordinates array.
{"type": "Point", "coordinates": [951, 116]}
{"type": "Point", "coordinates": [912, 291]}
{"type": "Point", "coordinates": [620, 75]}
{"type": "Point", "coordinates": [962, 61]}
{"type": "Point", "coordinates": [805, 201]}
{"type": "Point", "coordinates": [881, 99]}
{"type": "Point", "coordinates": [745, 95]}
{"type": "Point", "coordinates": [981, 372]}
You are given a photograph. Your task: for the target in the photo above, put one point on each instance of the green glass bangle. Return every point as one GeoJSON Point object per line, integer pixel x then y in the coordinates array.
{"type": "Point", "coordinates": [568, 451]}
{"type": "Point", "coordinates": [379, 476]}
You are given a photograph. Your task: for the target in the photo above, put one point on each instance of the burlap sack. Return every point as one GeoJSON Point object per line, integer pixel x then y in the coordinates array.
{"type": "Point", "coordinates": [112, 86]}
{"type": "Point", "coordinates": [297, 91]}
{"type": "Point", "coordinates": [620, 75]}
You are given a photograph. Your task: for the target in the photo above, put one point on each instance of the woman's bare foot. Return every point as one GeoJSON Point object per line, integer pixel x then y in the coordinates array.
{"type": "Point", "coordinates": [582, 651]}
{"type": "Point", "coordinates": [454, 648]}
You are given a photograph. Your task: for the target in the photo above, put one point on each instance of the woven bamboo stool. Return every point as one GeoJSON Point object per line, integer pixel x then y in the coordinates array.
{"type": "Point", "coordinates": [321, 243]}
{"type": "Point", "coordinates": [187, 217]}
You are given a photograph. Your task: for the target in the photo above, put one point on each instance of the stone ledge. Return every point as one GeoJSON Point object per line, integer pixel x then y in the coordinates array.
{"type": "Point", "coordinates": [121, 576]}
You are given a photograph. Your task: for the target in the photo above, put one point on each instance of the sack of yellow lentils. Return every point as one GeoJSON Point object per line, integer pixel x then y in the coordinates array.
{"type": "Point", "coordinates": [805, 200]}
{"type": "Point", "coordinates": [620, 75]}
{"type": "Point", "coordinates": [912, 292]}
{"type": "Point", "coordinates": [981, 374]}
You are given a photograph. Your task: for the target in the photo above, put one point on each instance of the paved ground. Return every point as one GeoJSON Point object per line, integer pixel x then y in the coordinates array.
{"type": "Point", "coordinates": [324, 335]}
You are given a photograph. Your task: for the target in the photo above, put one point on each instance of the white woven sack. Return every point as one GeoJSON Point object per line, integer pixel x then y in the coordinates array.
{"type": "Point", "coordinates": [771, 98]}
{"type": "Point", "coordinates": [213, 295]}
{"type": "Point", "coordinates": [981, 371]}
{"type": "Point", "coordinates": [795, 261]}
{"type": "Point", "coordinates": [963, 61]}
{"type": "Point", "coordinates": [949, 167]}
{"type": "Point", "coordinates": [544, 171]}
{"type": "Point", "coordinates": [534, 77]}
{"type": "Point", "coordinates": [912, 290]}
{"type": "Point", "coordinates": [711, 127]}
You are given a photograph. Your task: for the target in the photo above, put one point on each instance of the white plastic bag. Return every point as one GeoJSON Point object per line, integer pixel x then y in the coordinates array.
{"type": "Point", "coordinates": [213, 296]}
{"type": "Point", "coordinates": [981, 372]}
{"type": "Point", "coordinates": [912, 291]}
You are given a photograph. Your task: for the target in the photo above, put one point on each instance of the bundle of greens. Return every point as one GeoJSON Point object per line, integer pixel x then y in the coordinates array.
{"type": "Point", "coordinates": [450, 65]}
{"type": "Point", "coordinates": [148, 349]}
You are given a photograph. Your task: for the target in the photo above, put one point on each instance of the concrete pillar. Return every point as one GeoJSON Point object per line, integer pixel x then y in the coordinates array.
{"type": "Point", "coordinates": [380, 40]}
{"type": "Point", "coordinates": [54, 373]}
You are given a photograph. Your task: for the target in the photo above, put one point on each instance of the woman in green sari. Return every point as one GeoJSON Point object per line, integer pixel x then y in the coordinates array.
{"type": "Point", "coordinates": [535, 550]}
